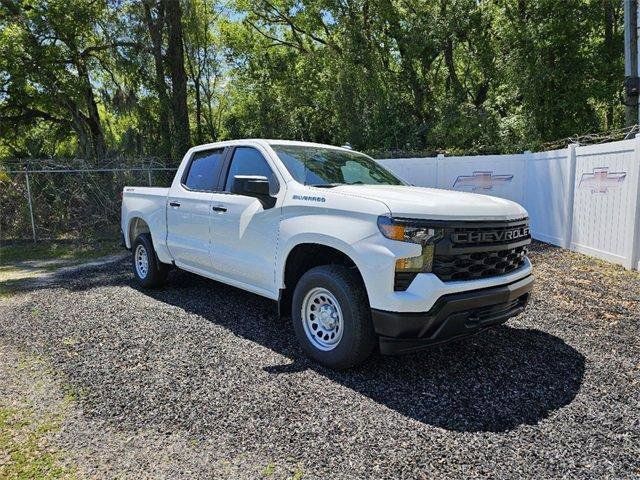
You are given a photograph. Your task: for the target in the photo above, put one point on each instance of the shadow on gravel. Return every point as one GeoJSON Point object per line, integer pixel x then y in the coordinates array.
{"type": "Point", "coordinates": [493, 382]}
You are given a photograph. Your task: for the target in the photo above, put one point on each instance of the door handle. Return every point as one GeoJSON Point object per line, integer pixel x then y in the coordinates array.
{"type": "Point", "coordinates": [174, 204]}
{"type": "Point", "coordinates": [219, 208]}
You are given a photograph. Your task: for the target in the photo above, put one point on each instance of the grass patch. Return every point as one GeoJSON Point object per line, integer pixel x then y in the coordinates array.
{"type": "Point", "coordinates": [297, 473]}
{"type": "Point", "coordinates": [22, 262]}
{"type": "Point", "coordinates": [11, 254]}
{"type": "Point", "coordinates": [24, 452]}
{"type": "Point", "coordinates": [269, 470]}
{"type": "Point", "coordinates": [9, 287]}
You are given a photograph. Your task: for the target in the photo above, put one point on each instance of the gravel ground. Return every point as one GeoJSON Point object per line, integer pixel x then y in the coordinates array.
{"type": "Point", "coordinates": [200, 380]}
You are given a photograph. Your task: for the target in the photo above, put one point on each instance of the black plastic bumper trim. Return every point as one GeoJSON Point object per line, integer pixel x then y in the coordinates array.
{"type": "Point", "coordinates": [452, 316]}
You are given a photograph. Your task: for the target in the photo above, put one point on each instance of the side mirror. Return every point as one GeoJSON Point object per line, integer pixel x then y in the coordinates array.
{"type": "Point", "coordinates": [256, 186]}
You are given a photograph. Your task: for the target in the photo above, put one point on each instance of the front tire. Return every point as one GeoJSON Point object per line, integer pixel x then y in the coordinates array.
{"type": "Point", "coordinates": [332, 318]}
{"type": "Point", "coordinates": [149, 272]}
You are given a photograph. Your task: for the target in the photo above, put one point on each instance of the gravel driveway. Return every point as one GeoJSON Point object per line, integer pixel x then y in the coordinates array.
{"type": "Point", "coordinates": [200, 380]}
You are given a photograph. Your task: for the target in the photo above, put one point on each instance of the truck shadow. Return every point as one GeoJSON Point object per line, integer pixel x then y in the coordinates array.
{"type": "Point", "coordinates": [492, 382]}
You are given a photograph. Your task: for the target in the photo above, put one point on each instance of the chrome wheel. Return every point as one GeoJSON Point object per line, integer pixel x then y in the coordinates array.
{"type": "Point", "coordinates": [141, 260]}
{"type": "Point", "coordinates": [322, 319]}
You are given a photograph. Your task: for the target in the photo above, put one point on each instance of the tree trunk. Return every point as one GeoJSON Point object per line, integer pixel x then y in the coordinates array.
{"type": "Point", "coordinates": [455, 84]}
{"type": "Point", "coordinates": [155, 28]}
{"type": "Point", "coordinates": [175, 61]}
{"type": "Point", "coordinates": [80, 127]}
{"type": "Point", "coordinates": [97, 143]}
{"type": "Point", "coordinates": [610, 51]}
{"type": "Point", "coordinates": [196, 78]}
{"type": "Point", "coordinates": [198, 111]}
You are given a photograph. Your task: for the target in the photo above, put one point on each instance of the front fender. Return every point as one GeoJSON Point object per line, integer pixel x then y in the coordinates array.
{"type": "Point", "coordinates": [359, 239]}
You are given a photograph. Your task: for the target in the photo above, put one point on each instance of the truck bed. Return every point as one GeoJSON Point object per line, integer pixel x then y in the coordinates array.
{"type": "Point", "coordinates": [149, 203]}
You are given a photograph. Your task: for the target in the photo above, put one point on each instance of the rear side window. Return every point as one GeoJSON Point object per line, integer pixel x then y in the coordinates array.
{"type": "Point", "coordinates": [204, 170]}
{"type": "Point", "coordinates": [248, 161]}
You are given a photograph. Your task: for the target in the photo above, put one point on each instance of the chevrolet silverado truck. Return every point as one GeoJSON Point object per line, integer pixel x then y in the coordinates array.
{"type": "Point", "coordinates": [357, 258]}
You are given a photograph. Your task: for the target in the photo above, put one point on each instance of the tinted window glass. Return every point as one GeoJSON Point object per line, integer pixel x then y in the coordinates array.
{"type": "Point", "coordinates": [204, 170]}
{"type": "Point", "coordinates": [248, 161]}
{"type": "Point", "coordinates": [327, 166]}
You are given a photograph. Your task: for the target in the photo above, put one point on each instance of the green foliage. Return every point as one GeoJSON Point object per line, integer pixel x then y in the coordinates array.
{"type": "Point", "coordinates": [99, 78]}
{"type": "Point", "coordinates": [22, 443]}
{"type": "Point", "coordinates": [450, 75]}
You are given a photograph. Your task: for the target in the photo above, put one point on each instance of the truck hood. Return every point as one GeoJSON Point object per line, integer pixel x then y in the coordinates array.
{"type": "Point", "coordinates": [435, 203]}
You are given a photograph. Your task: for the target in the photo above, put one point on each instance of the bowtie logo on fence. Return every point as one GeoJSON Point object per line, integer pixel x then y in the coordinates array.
{"type": "Point", "coordinates": [600, 180]}
{"type": "Point", "coordinates": [481, 181]}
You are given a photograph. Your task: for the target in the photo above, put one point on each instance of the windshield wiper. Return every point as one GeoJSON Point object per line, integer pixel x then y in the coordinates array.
{"type": "Point", "coordinates": [325, 185]}
{"type": "Point", "coordinates": [336, 184]}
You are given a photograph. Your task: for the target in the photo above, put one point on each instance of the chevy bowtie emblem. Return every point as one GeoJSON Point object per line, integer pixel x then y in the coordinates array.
{"type": "Point", "coordinates": [600, 180]}
{"type": "Point", "coordinates": [481, 180]}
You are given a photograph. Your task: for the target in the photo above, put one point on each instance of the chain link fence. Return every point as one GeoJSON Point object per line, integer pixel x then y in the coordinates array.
{"type": "Point", "coordinates": [43, 200]}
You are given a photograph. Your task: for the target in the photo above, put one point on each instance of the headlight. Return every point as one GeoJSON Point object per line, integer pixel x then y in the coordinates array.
{"type": "Point", "coordinates": [406, 230]}
{"type": "Point", "coordinates": [412, 231]}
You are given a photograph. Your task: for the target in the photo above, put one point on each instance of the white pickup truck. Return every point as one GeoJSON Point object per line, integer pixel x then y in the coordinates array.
{"type": "Point", "coordinates": [359, 259]}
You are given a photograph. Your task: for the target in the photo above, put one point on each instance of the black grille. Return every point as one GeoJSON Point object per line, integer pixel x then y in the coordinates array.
{"type": "Point", "coordinates": [473, 250]}
{"type": "Point", "coordinates": [469, 266]}
{"type": "Point", "coordinates": [469, 250]}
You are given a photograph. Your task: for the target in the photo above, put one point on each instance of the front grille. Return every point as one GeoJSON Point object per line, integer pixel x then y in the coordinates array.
{"type": "Point", "coordinates": [473, 250]}
{"type": "Point", "coordinates": [470, 266]}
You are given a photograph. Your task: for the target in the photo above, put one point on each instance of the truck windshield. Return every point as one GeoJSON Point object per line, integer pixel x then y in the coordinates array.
{"type": "Point", "coordinates": [327, 167]}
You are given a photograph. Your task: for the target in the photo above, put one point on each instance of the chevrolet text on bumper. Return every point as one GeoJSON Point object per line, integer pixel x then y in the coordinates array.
{"type": "Point", "coordinates": [357, 258]}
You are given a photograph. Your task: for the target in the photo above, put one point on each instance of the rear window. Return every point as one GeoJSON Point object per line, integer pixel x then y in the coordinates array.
{"type": "Point", "coordinates": [204, 170]}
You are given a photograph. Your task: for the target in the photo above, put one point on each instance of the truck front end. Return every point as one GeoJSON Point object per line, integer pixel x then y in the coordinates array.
{"type": "Point", "coordinates": [436, 264]}
{"type": "Point", "coordinates": [467, 276]}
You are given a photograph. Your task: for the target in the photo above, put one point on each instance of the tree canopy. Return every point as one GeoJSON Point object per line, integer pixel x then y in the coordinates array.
{"type": "Point", "coordinates": [98, 78]}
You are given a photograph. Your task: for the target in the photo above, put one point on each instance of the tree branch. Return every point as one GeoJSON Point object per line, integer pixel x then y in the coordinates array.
{"type": "Point", "coordinates": [289, 21]}
{"type": "Point", "coordinates": [276, 39]}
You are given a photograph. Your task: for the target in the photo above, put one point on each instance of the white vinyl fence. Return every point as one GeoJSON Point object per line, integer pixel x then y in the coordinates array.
{"type": "Point", "coordinates": [585, 198]}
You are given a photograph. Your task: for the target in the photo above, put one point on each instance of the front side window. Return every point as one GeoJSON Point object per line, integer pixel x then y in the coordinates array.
{"type": "Point", "coordinates": [204, 170]}
{"type": "Point", "coordinates": [247, 161]}
{"type": "Point", "coordinates": [322, 167]}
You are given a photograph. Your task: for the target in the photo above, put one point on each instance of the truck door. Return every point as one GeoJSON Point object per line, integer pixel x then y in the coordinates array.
{"type": "Point", "coordinates": [244, 230]}
{"type": "Point", "coordinates": [189, 210]}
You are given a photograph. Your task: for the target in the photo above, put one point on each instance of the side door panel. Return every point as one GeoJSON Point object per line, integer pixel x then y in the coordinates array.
{"type": "Point", "coordinates": [189, 210]}
{"type": "Point", "coordinates": [188, 232]}
{"type": "Point", "coordinates": [244, 232]}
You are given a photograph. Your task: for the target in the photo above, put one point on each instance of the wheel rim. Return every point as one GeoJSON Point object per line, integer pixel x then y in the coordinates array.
{"type": "Point", "coordinates": [141, 260]}
{"type": "Point", "coordinates": [322, 319]}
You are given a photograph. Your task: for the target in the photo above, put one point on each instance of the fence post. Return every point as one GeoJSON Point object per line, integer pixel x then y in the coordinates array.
{"type": "Point", "coordinates": [571, 190]}
{"type": "Point", "coordinates": [634, 254]}
{"type": "Point", "coordinates": [149, 175]}
{"type": "Point", "coordinates": [33, 224]}
{"type": "Point", "coordinates": [527, 154]}
{"type": "Point", "coordinates": [439, 158]}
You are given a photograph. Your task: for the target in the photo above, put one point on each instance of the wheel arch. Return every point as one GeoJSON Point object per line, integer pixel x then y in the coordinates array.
{"type": "Point", "coordinates": [303, 256]}
{"type": "Point", "coordinates": [137, 225]}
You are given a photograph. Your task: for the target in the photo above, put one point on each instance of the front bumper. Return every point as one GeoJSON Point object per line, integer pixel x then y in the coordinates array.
{"type": "Point", "coordinates": [452, 316]}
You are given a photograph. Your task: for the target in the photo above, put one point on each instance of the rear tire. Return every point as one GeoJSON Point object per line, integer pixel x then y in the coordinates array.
{"type": "Point", "coordinates": [149, 272]}
{"type": "Point", "coordinates": [332, 317]}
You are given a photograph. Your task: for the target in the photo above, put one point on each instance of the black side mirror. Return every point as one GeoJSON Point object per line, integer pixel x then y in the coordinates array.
{"type": "Point", "coordinates": [256, 186]}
